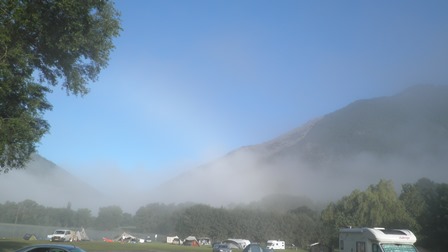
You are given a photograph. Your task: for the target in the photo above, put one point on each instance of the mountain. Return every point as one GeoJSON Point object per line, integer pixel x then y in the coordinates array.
{"type": "Point", "coordinates": [47, 184]}
{"type": "Point", "coordinates": [400, 138]}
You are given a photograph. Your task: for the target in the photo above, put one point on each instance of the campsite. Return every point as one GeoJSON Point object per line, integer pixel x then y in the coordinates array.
{"type": "Point", "coordinates": [14, 236]}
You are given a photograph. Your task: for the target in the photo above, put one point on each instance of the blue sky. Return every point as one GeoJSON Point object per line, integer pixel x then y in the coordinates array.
{"type": "Point", "coordinates": [191, 80]}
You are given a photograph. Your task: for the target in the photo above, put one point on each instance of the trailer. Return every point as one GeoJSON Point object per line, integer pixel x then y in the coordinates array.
{"type": "Point", "coordinates": [275, 244]}
{"type": "Point", "coordinates": [376, 240]}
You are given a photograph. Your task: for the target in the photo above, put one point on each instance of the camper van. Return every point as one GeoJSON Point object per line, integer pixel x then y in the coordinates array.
{"type": "Point", "coordinates": [274, 244]}
{"type": "Point", "coordinates": [376, 240]}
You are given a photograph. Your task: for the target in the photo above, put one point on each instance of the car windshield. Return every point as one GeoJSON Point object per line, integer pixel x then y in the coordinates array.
{"type": "Point", "coordinates": [398, 248]}
{"type": "Point", "coordinates": [253, 248]}
{"type": "Point", "coordinates": [77, 250]}
{"type": "Point", "coordinates": [59, 232]}
{"type": "Point", "coordinates": [52, 249]}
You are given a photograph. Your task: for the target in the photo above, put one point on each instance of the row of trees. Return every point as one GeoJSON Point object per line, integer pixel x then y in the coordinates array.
{"type": "Point", "coordinates": [30, 212]}
{"type": "Point", "coordinates": [421, 207]}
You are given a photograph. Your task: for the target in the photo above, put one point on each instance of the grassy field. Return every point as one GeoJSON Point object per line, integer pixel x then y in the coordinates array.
{"type": "Point", "coordinates": [11, 240]}
{"type": "Point", "coordinates": [92, 246]}
{"type": "Point", "coordinates": [10, 245]}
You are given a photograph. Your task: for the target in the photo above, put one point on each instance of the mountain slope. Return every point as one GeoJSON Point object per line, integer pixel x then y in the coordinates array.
{"type": "Point", "coordinates": [412, 125]}
{"type": "Point", "coordinates": [400, 138]}
{"type": "Point", "coordinates": [47, 184]}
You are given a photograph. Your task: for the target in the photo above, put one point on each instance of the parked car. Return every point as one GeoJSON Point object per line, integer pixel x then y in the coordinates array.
{"type": "Point", "coordinates": [255, 247]}
{"type": "Point", "coordinates": [62, 235]}
{"type": "Point", "coordinates": [51, 248]}
{"type": "Point", "coordinates": [221, 247]}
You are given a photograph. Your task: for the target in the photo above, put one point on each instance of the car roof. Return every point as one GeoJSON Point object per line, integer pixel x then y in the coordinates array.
{"type": "Point", "coordinates": [60, 246]}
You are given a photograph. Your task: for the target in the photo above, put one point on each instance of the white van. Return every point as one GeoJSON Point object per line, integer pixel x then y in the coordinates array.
{"type": "Point", "coordinates": [376, 240]}
{"type": "Point", "coordinates": [275, 244]}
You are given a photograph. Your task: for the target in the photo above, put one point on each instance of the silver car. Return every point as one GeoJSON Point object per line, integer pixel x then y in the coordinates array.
{"type": "Point", "coordinates": [51, 248]}
{"type": "Point", "coordinates": [222, 247]}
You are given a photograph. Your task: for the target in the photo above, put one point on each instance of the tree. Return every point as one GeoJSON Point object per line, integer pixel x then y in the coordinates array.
{"type": "Point", "coordinates": [26, 213]}
{"type": "Point", "coordinates": [44, 44]}
{"type": "Point", "coordinates": [439, 222]}
{"type": "Point", "coordinates": [155, 217]}
{"type": "Point", "coordinates": [195, 220]}
{"type": "Point", "coordinates": [8, 212]}
{"type": "Point", "coordinates": [304, 224]}
{"type": "Point", "coordinates": [428, 203]}
{"type": "Point", "coordinates": [378, 206]}
{"type": "Point", "coordinates": [109, 217]}
{"type": "Point", "coordinates": [83, 218]}
{"type": "Point", "coordinates": [415, 204]}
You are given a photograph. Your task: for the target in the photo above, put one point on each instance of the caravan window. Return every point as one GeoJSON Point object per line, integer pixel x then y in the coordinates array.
{"type": "Point", "coordinates": [360, 247]}
{"type": "Point", "coordinates": [376, 248]}
{"type": "Point", "coordinates": [398, 248]}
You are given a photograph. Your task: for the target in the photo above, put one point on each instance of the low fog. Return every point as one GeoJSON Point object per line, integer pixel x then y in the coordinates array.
{"type": "Point", "coordinates": [278, 166]}
{"type": "Point", "coordinates": [401, 138]}
{"type": "Point", "coordinates": [238, 178]}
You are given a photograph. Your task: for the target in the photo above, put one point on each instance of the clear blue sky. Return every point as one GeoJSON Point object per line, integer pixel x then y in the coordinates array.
{"type": "Point", "coordinates": [191, 80]}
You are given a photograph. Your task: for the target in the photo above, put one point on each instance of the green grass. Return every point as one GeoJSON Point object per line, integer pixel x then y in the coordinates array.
{"type": "Point", "coordinates": [10, 245]}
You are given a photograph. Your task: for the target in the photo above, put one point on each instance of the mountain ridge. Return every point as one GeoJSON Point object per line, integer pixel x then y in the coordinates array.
{"type": "Point", "coordinates": [402, 138]}
{"type": "Point", "coordinates": [46, 183]}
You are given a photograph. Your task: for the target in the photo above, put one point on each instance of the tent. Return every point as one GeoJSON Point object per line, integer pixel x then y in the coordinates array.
{"type": "Point", "coordinates": [232, 244]}
{"type": "Point", "coordinates": [191, 241]}
{"type": "Point", "coordinates": [107, 239]}
{"type": "Point", "coordinates": [173, 240]}
{"type": "Point", "coordinates": [237, 243]}
{"type": "Point", "coordinates": [125, 237]}
{"type": "Point", "coordinates": [204, 241]}
{"type": "Point", "coordinates": [82, 235]}
{"type": "Point", "coordinates": [29, 237]}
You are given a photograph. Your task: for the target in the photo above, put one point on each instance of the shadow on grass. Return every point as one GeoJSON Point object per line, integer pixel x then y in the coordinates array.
{"type": "Point", "coordinates": [8, 245]}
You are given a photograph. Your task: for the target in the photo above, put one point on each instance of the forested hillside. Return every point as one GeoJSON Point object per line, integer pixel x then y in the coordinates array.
{"type": "Point", "coordinates": [421, 207]}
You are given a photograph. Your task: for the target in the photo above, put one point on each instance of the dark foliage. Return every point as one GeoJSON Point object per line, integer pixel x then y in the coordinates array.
{"type": "Point", "coordinates": [43, 44]}
{"type": "Point", "coordinates": [421, 207]}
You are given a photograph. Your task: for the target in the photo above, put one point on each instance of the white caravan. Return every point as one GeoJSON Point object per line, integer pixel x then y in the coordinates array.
{"type": "Point", "coordinates": [274, 244]}
{"type": "Point", "coordinates": [376, 240]}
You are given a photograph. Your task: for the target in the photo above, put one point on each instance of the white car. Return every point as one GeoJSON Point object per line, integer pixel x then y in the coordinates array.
{"type": "Point", "coordinates": [62, 235]}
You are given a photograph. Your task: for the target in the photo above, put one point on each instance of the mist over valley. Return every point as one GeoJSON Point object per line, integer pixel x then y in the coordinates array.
{"type": "Point", "coordinates": [402, 138]}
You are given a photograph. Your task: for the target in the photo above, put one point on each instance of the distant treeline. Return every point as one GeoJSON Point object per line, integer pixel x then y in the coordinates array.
{"type": "Point", "coordinates": [421, 207]}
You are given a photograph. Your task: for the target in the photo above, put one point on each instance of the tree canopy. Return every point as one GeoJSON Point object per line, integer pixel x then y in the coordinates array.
{"type": "Point", "coordinates": [378, 206]}
{"type": "Point", "coordinates": [44, 44]}
{"type": "Point", "coordinates": [421, 207]}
